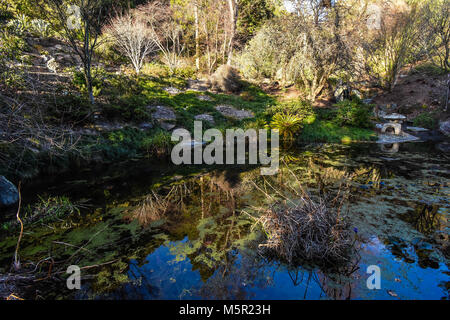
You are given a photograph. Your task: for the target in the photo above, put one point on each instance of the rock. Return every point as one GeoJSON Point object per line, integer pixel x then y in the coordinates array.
{"type": "Point", "coordinates": [205, 117]}
{"type": "Point", "coordinates": [198, 85]}
{"type": "Point", "coordinates": [367, 101]}
{"type": "Point", "coordinates": [444, 127]}
{"type": "Point", "coordinates": [357, 93]}
{"type": "Point", "coordinates": [167, 126]}
{"type": "Point", "coordinates": [396, 128]}
{"type": "Point", "coordinates": [172, 90]}
{"type": "Point", "coordinates": [161, 113]}
{"type": "Point", "coordinates": [52, 65]}
{"type": "Point", "coordinates": [417, 129]}
{"type": "Point", "coordinates": [106, 126]}
{"type": "Point", "coordinates": [342, 92]}
{"type": "Point", "coordinates": [231, 112]}
{"type": "Point", "coordinates": [444, 147]}
{"type": "Point", "coordinates": [204, 98]}
{"type": "Point", "coordinates": [226, 79]}
{"type": "Point", "coordinates": [145, 126]}
{"type": "Point", "coordinates": [9, 194]}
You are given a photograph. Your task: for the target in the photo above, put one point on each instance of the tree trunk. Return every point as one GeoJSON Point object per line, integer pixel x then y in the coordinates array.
{"type": "Point", "coordinates": [87, 65]}
{"type": "Point", "coordinates": [197, 40]}
{"type": "Point", "coordinates": [233, 6]}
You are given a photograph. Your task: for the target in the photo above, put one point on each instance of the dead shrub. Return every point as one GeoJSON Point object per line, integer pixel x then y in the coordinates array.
{"type": "Point", "coordinates": [309, 229]}
{"type": "Point", "coordinates": [226, 79]}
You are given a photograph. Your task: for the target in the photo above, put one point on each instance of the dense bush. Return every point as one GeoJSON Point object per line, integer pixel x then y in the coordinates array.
{"type": "Point", "coordinates": [425, 120]}
{"type": "Point", "coordinates": [354, 113]}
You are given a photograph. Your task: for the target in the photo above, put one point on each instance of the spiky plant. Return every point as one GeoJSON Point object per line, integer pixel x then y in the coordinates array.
{"type": "Point", "coordinates": [287, 124]}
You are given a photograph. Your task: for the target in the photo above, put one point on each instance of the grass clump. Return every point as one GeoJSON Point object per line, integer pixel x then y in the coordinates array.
{"type": "Point", "coordinates": [46, 211]}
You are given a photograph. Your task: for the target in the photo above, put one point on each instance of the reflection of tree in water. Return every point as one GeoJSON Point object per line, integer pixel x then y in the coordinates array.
{"type": "Point", "coordinates": [216, 231]}
{"type": "Point", "coordinates": [425, 218]}
{"type": "Point", "coordinates": [234, 278]}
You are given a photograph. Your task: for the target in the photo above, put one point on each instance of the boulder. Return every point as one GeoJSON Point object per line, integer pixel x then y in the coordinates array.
{"type": "Point", "coordinates": [172, 90]}
{"type": "Point", "coordinates": [444, 127]}
{"type": "Point", "coordinates": [231, 112]}
{"type": "Point", "coordinates": [167, 126]}
{"type": "Point", "coordinates": [204, 98]}
{"type": "Point", "coordinates": [205, 117]}
{"type": "Point", "coordinates": [342, 92]}
{"type": "Point", "coordinates": [145, 126]}
{"type": "Point", "coordinates": [9, 194]}
{"type": "Point", "coordinates": [161, 113]}
{"type": "Point", "coordinates": [197, 85]}
{"type": "Point", "coordinates": [357, 93]}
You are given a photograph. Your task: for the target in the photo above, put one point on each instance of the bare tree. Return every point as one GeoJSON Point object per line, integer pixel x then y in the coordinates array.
{"type": "Point", "coordinates": [133, 36]}
{"type": "Point", "coordinates": [81, 23]}
{"type": "Point", "coordinates": [166, 30]}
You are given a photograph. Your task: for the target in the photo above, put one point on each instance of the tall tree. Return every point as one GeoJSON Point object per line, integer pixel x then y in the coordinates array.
{"type": "Point", "coordinates": [81, 25]}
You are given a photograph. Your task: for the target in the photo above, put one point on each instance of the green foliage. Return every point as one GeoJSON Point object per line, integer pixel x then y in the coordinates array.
{"type": "Point", "coordinates": [70, 107]}
{"type": "Point", "coordinates": [300, 108]}
{"type": "Point", "coordinates": [46, 211]}
{"type": "Point", "coordinates": [20, 25]}
{"type": "Point", "coordinates": [11, 45]}
{"type": "Point", "coordinates": [160, 143]}
{"type": "Point", "coordinates": [425, 120]}
{"type": "Point", "coordinates": [353, 113]}
{"type": "Point", "coordinates": [287, 124]}
{"type": "Point", "coordinates": [252, 15]}
{"type": "Point", "coordinates": [98, 75]}
{"type": "Point", "coordinates": [329, 132]}
{"type": "Point", "coordinates": [40, 28]}
{"type": "Point", "coordinates": [429, 69]}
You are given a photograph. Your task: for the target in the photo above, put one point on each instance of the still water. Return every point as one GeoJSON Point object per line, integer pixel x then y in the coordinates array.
{"type": "Point", "coordinates": [204, 245]}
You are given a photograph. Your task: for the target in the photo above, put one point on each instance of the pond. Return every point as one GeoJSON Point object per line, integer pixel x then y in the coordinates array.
{"type": "Point", "coordinates": [205, 245]}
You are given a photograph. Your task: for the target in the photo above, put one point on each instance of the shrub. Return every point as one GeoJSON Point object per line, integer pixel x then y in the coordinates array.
{"type": "Point", "coordinates": [186, 72]}
{"type": "Point", "coordinates": [299, 108]}
{"type": "Point", "coordinates": [425, 120]}
{"type": "Point", "coordinates": [155, 70]}
{"type": "Point", "coordinates": [287, 124]}
{"type": "Point", "coordinates": [40, 28]}
{"type": "Point", "coordinates": [226, 79]}
{"type": "Point", "coordinates": [308, 229]}
{"type": "Point", "coordinates": [160, 143]}
{"type": "Point", "coordinates": [353, 113]}
{"type": "Point", "coordinates": [98, 74]}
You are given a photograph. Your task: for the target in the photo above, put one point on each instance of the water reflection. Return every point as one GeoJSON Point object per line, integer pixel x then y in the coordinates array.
{"type": "Point", "coordinates": [188, 239]}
